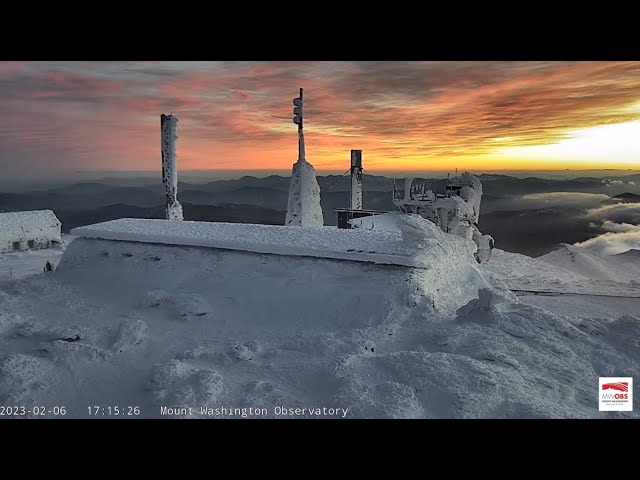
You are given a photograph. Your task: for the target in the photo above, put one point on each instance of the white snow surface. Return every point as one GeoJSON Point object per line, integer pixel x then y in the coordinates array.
{"type": "Point", "coordinates": [374, 246]}
{"type": "Point", "coordinates": [521, 272]}
{"type": "Point", "coordinates": [594, 264]}
{"type": "Point", "coordinates": [16, 265]}
{"type": "Point", "coordinates": [137, 324]}
{"type": "Point", "coordinates": [386, 222]}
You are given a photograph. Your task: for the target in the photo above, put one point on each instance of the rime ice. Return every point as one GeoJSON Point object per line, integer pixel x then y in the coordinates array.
{"type": "Point", "coordinates": [303, 206]}
{"type": "Point", "coordinates": [457, 211]}
{"type": "Point", "coordinates": [169, 127]}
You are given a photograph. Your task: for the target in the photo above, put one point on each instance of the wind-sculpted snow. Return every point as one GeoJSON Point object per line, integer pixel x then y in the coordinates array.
{"type": "Point", "coordinates": [596, 265]}
{"type": "Point", "coordinates": [228, 330]}
{"type": "Point", "coordinates": [21, 376]}
{"type": "Point", "coordinates": [185, 304]}
{"type": "Point", "coordinates": [325, 242]}
{"type": "Point", "coordinates": [568, 270]}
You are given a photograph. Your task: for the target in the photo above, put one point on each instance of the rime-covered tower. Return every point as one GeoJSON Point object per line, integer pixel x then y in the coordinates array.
{"type": "Point", "coordinates": [303, 206]}
{"type": "Point", "coordinates": [169, 132]}
{"type": "Point", "coordinates": [356, 179]}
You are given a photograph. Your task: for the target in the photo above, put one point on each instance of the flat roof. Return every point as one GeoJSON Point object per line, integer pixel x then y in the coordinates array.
{"type": "Point", "coordinates": [374, 246]}
{"type": "Point", "coordinates": [360, 210]}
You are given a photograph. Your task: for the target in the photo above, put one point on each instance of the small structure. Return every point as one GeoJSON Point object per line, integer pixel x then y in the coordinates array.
{"type": "Point", "coordinates": [355, 210]}
{"type": "Point", "coordinates": [169, 132]}
{"type": "Point", "coordinates": [456, 211]}
{"type": "Point", "coordinates": [345, 215]}
{"type": "Point", "coordinates": [303, 205]}
{"type": "Point", "coordinates": [30, 230]}
{"type": "Point", "coordinates": [356, 179]}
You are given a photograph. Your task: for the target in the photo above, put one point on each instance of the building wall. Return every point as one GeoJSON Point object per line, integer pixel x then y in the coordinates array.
{"type": "Point", "coordinates": [29, 243]}
{"type": "Point", "coordinates": [28, 231]}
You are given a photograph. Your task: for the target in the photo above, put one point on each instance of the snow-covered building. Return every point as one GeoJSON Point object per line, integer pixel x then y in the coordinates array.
{"type": "Point", "coordinates": [30, 230]}
{"type": "Point", "coordinates": [456, 211]}
{"type": "Point", "coordinates": [420, 258]}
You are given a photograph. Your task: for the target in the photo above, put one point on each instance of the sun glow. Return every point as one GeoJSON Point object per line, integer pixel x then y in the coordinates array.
{"type": "Point", "coordinates": [609, 145]}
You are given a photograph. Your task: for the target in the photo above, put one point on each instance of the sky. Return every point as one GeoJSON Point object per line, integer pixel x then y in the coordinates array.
{"type": "Point", "coordinates": [105, 116]}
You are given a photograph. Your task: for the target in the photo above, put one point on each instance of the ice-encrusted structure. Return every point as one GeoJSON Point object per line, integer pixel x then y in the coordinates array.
{"type": "Point", "coordinates": [169, 131]}
{"type": "Point", "coordinates": [29, 230]}
{"type": "Point", "coordinates": [437, 267]}
{"type": "Point", "coordinates": [303, 206]}
{"type": "Point", "coordinates": [418, 244]}
{"type": "Point", "coordinates": [356, 179]}
{"type": "Point", "coordinates": [471, 193]}
{"type": "Point", "coordinates": [457, 211]}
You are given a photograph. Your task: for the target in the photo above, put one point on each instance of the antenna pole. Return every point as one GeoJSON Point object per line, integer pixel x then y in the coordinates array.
{"type": "Point", "coordinates": [301, 116]}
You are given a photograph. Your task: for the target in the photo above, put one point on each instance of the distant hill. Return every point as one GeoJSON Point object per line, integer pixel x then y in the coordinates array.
{"type": "Point", "coordinates": [628, 197]}
{"type": "Point", "coordinates": [207, 213]}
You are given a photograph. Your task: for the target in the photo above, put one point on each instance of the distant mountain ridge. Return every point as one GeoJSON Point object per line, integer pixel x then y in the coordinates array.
{"type": "Point", "coordinates": [206, 213]}
{"type": "Point", "coordinates": [627, 197]}
{"type": "Point", "coordinates": [515, 225]}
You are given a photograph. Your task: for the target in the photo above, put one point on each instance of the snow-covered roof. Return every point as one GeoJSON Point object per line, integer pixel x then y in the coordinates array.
{"type": "Point", "coordinates": [16, 224]}
{"type": "Point", "coordinates": [376, 246]}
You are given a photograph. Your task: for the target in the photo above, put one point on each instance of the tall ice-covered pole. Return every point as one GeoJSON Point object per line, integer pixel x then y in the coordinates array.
{"type": "Point", "coordinates": [303, 205]}
{"type": "Point", "coordinates": [297, 110]}
{"type": "Point", "coordinates": [169, 132]}
{"type": "Point", "coordinates": [356, 179]}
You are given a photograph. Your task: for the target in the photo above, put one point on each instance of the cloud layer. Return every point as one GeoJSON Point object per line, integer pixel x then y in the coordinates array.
{"type": "Point", "coordinates": [105, 115]}
{"type": "Point", "coordinates": [561, 199]}
{"type": "Point", "coordinates": [621, 223]}
{"type": "Point", "coordinates": [618, 213]}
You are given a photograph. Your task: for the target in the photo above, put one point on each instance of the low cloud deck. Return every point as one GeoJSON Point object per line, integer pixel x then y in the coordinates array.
{"type": "Point", "coordinates": [324, 242]}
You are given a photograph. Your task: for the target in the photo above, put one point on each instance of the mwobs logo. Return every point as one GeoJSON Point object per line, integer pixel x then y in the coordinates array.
{"type": "Point", "coordinates": [615, 394]}
{"type": "Point", "coordinates": [621, 386]}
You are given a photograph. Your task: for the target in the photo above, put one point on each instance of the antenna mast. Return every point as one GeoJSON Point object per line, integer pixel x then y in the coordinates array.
{"type": "Point", "coordinates": [298, 111]}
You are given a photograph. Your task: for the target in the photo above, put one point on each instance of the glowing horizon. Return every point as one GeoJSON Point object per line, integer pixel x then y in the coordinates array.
{"type": "Point", "coordinates": [405, 116]}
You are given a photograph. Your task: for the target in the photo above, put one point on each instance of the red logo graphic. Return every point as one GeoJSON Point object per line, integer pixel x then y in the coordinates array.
{"type": "Point", "coordinates": [621, 386]}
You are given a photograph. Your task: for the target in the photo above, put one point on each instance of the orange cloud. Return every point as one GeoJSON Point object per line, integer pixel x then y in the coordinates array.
{"type": "Point", "coordinates": [403, 115]}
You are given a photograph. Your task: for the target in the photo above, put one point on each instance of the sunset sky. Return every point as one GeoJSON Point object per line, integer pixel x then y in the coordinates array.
{"type": "Point", "coordinates": [70, 116]}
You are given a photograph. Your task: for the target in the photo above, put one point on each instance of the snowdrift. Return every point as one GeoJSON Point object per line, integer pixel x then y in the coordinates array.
{"type": "Point", "coordinates": [416, 242]}
{"type": "Point", "coordinates": [590, 264]}
{"type": "Point", "coordinates": [155, 325]}
{"type": "Point", "coordinates": [437, 267]}
{"type": "Point", "coordinates": [236, 284]}
{"type": "Point", "coordinates": [568, 270]}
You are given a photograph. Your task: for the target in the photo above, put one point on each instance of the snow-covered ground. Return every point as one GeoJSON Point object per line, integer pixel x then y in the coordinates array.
{"type": "Point", "coordinates": [568, 269]}
{"type": "Point", "coordinates": [125, 324]}
{"type": "Point", "coordinates": [621, 268]}
{"type": "Point", "coordinates": [18, 265]}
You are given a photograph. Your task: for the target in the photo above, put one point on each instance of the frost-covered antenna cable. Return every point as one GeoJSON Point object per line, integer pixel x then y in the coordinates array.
{"type": "Point", "coordinates": [334, 183]}
{"type": "Point", "coordinates": [374, 178]}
